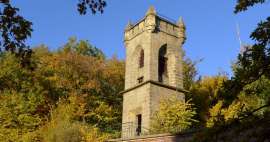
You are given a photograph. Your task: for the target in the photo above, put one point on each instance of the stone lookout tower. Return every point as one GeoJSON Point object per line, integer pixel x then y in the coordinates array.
{"type": "Point", "coordinates": [153, 69]}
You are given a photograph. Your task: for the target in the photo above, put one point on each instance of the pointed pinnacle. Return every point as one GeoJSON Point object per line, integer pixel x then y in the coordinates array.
{"type": "Point", "coordinates": [129, 25]}
{"type": "Point", "coordinates": [151, 10]}
{"type": "Point", "coordinates": [181, 22]}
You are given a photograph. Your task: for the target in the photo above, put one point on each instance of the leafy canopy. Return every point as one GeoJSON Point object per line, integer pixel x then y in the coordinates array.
{"type": "Point", "coordinates": [77, 84]}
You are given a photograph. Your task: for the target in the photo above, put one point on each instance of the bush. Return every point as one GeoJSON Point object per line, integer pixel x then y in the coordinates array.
{"type": "Point", "coordinates": [64, 125]}
{"type": "Point", "coordinates": [172, 116]}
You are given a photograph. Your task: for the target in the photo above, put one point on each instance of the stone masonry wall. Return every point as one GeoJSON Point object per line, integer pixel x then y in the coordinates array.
{"type": "Point", "coordinates": [157, 93]}
{"type": "Point", "coordinates": [143, 100]}
{"type": "Point", "coordinates": [136, 102]}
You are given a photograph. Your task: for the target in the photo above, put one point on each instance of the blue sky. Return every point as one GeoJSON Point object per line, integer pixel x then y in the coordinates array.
{"type": "Point", "coordinates": [211, 26]}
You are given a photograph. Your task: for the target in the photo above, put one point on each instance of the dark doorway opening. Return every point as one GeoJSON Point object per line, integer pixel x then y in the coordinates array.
{"type": "Point", "coordinates": [139, 125]}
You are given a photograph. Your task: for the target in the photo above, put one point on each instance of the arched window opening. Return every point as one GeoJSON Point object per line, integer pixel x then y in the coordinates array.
{"type": "Point", "coordinates": [162, 63]}
{"type": "Point", "coordinates": [141, 59]}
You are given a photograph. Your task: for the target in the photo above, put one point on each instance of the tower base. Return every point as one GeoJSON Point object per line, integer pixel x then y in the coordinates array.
{"type": "Point", "coordinates": [184, 137]}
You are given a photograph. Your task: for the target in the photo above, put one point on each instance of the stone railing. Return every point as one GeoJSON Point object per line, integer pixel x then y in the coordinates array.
{"type": "Point", "coordinates": [131, 130]}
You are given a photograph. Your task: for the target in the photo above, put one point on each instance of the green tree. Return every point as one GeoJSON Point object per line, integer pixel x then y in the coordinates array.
{"type": "Point", "coordinates": [14, 31]}
{"type": "Point", "coordinates": [93, 5]}
{"type": "Point", "coordinates": [189, 72]}
{"type": "Point", "coordinates": [243, 5]}
{"type": "Point", "coordinates": [82, 47]}
{"type": "Point", "coordinates": [254, 62]}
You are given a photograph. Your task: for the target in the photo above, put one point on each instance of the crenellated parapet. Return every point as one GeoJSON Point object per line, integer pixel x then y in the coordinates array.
{"type": "Point", "coordinates": [152, 22]}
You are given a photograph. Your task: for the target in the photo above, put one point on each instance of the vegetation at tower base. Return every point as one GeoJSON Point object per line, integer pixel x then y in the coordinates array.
{"type": "Point", "coordinates": [74, 87]}
{"type": "Point", "coordinates": [172, 116]}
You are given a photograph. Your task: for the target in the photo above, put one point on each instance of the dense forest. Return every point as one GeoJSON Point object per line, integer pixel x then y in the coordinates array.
{"type": "Point", "coordinates": [66, 95]}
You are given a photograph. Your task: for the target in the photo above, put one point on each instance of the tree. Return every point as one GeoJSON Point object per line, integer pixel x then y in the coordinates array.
{"type": "Point", "coordinates": [216, 114]}
{"type": "Point", "coordinates": [82, 47]}
{"type": "Point", "coordinates": [173, 115]}
{"type": "Point", "coordinates": [77, 77]}
{"type": "Point", "coordinates": [92, 77]}
{"type": "Point", "coordinates": [255, 60]}
{"type": "Point", "coordinates": [19, 115]}
{"type": "Point", "coordinates": [93, 5]}
{"type": "Point", "coordinates": [189, 72]}
{"type": "Point", "coordinates": [252, 64]}
{"type": "Point", "coordinates": [205, 93]}
{"type": "Point", "coordinates": [14, 31]}
{"type": "Point", "coordinates": [243, 5]}
{"type": "Point", "coordinates": [253, 100]}
{"type": "Point", "coordinates": [64, 125]}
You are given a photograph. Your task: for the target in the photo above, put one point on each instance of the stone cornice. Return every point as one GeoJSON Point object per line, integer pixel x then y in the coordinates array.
{"type": "Point", "coordinates": [160, 30]}
{"type": "Point", "coordinates": [155, 83]}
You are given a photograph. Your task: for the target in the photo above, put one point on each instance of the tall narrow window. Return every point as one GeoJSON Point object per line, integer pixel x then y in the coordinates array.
{"type": "Point", "coordinates": [162, 63]}
{"type": "Point", "coordinates": [141, 59]}
{"type": "Point", "coordinates": [139, 125]}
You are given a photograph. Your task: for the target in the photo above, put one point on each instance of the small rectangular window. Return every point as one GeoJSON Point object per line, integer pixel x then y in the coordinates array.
{"type": "Point", "coordinates": [140, 79]}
